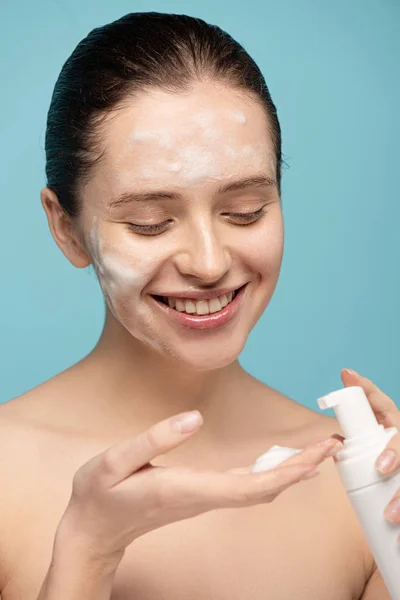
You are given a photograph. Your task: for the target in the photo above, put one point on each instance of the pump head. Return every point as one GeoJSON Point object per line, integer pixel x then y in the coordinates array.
{"type": "Point", "coordinates": [352, 409]}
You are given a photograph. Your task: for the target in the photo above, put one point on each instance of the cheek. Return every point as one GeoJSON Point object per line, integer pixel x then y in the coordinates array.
{"type": "Point", "coordinates": [122, 279]}
{"type": "Point", "coordinates": [121, 275]}
{"type": "Point", "coordinates": [263, 249]}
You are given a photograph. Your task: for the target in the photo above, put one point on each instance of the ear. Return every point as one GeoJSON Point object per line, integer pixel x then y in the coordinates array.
{"type": "Point", "coordinates": [63, 230]}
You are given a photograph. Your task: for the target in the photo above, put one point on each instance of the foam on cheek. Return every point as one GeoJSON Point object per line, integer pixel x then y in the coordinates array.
{"type": "Point", "coordinates": [122, 284]}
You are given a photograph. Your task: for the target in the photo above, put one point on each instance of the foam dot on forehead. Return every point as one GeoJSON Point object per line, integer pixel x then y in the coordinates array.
{"type": "Point", "coordinates": [204, 117]}
{"type": "Point", "coordinates": [163, 138]}
{"type": "Point", "coordinates": [241, 118]}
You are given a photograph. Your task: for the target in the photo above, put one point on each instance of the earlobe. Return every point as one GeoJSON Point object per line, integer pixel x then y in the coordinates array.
{"type": "Point", "coordinates": [63, 230]}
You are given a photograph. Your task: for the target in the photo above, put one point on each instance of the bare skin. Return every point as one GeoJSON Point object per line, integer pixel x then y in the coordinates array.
{"type": "Point", "coordinates": [309, 531]}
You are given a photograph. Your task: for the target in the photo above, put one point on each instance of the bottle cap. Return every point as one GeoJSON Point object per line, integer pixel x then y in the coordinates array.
{"type": "Point", "coordinates": [352, 409]}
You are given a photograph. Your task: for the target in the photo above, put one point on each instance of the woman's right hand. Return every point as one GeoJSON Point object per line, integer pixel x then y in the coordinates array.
{"type": "Point", "coordinates": [118, 496]}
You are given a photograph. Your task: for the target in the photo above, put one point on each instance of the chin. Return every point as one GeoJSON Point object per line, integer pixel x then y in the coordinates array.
{"type": "Point", "coordinates": [206, 356]}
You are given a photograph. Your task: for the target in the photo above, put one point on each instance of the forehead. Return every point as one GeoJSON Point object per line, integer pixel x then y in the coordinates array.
{"type": "Point", "coordinates": [185, 138]}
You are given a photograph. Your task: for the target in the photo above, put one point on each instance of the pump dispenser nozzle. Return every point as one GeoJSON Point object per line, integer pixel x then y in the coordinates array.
{"type": "Point", "coordinates": [352, 409]}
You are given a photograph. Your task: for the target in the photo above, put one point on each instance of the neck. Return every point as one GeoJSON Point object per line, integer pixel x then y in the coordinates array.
{"type": "Point", "coordinates": [139, 385]}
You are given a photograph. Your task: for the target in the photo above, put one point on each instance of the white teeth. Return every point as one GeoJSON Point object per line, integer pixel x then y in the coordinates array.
{"type": "Point", "coordinates": [215, 305]}
{"type": "Point", "coordinates": [200, 307]}
{"type": "Point", "coordinates": [223, 300]}
{"type": "Point", "coordinates": [190, 306]}
{"type": "Point", "coordinates": [180, 305]}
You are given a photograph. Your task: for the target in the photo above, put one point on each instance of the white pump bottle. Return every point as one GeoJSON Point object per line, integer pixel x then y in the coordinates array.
{"type": "Point", "coordinates": [368, 490]}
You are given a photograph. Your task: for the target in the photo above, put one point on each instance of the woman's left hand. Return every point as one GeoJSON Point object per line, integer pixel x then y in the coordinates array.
{"type": "Point", "coordinates": [388, 415]}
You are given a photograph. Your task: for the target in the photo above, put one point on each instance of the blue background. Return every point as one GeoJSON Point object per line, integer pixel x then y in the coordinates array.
{"type": "Point", "coordinates": [333, 72]}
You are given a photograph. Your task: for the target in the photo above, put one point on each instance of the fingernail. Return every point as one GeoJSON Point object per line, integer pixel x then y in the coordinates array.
{"type": "Point", "coordinates": [351, 371]}
{"type": "Point", "coordinates": [392, 511]}
{"type": "Point", "coordinates": [330, 444]}
{"type": "Point", "coordinates": [386, 460]}
{"type": "Point", "coordinates": [187, 422]}
{"type": "Point", "coordinates": [336, 448]}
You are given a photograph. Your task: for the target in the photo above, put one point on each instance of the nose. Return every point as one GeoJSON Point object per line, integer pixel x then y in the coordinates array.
{"type": "Point", "coordinates": [206, 256]}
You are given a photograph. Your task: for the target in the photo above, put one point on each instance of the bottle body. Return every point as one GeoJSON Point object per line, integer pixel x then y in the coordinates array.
{"type": "Point", "coordinates": [369, 493]}
{"type": "Point", "coordinates": [369, 504]}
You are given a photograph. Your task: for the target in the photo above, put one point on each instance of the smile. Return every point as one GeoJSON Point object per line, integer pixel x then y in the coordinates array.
{"type": "Point", "coordinates": [202, 314]}
{"type": "Point", "coordinates": [199, 307]}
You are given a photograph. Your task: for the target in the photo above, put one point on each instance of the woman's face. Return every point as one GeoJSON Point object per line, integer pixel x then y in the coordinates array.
{"type": "Point", "coordinates": [182, 149]}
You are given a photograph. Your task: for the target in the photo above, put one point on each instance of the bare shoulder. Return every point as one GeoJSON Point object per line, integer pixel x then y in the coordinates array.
{"type": "Point", "coordinates": [23, 431]}
{"type": "Point", "coordinates": [16, 457]}
{"type": "Point", "coordinates": [24, 442]}
{"type": "Point", "coordinates": [32, 455]}
{"type": "Point", "coordinates": [290, 418]}
{"type": "Point", "coordinates": [18, 437]}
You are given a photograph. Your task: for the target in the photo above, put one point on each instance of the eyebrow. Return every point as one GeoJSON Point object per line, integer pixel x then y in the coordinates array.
{"type": "Point", "coordinates": [260, 180]}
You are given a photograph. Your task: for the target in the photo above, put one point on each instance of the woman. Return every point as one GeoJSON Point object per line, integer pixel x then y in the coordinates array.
{"type": "Point", "coordinates": [163, 152]}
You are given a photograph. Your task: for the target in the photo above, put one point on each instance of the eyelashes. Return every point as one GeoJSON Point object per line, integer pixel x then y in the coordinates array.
{"type": "Point", "coordinates": [243, 218]}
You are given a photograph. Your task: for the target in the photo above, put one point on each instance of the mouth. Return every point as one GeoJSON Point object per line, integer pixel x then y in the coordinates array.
{"type": "Point", "coordinates": [172, 304]}
{"type": "Point", "coordinates": [197, 315]}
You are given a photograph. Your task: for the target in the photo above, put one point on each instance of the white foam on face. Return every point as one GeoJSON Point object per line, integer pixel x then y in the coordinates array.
{"type": "Point", "coordinates": [164, 139]}
{"type": "Point", "coordinates": [121, 280]}
{"type": "Point", "coordinates": [206, 118]}
{"type": "Point", "coordinates": [195, 161]}
{"type": "Point", "coordinates": [240, 117]}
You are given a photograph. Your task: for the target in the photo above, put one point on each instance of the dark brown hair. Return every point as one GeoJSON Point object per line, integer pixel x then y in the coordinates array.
{"type": "Point", "coordinates": [130, 55]}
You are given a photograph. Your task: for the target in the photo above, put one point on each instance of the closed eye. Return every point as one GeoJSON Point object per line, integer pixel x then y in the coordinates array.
{"type": "Point", "coordinates": [245, 218]}
{"type": "Point", "coordinates": [248, 216]}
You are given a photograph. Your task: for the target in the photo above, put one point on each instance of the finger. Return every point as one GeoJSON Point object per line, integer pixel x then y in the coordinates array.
{"type": "Point", "coordinates": [316, 452]}
{"type": "Point", "coordinates": [240, 470]}
{"type": "Point", "coordinates": [382, 405]}
{"type": "Point", "coordinates": [313, 453]}
{"type": "Point", "coordinates": [392, 511]}
{"type": "Point", "coordinates": [389, 460]}
{"type": "Point", "coordinates": [210, 490]}
{"type": "Point", "coordinates": [242, 490]}
{"type": "Point", "coordinates": [125, 458]}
